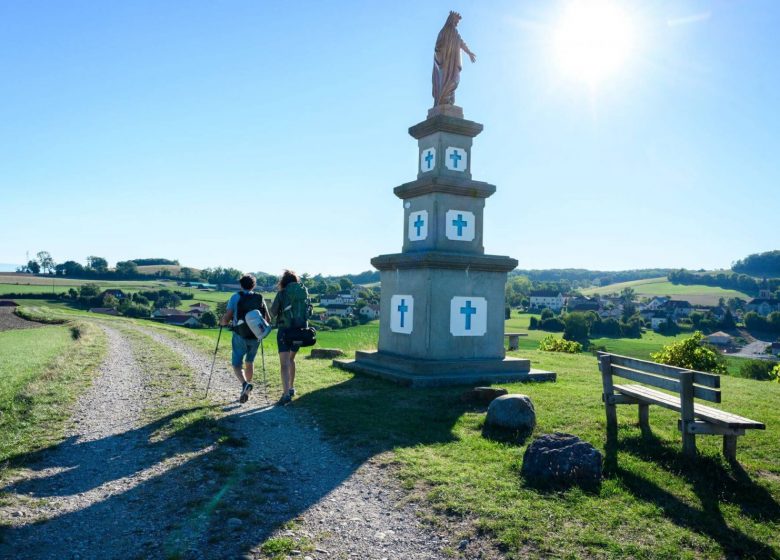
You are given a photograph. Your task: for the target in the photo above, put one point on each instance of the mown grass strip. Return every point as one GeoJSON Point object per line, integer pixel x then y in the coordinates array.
{"type": "Point", "coordinates": [42, 372]}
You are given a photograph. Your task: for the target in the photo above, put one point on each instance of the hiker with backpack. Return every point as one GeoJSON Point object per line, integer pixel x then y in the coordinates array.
{"type": "Point", "coordinates": [245, 342]}
{"type": "Point", "coordinates": [291, 309]}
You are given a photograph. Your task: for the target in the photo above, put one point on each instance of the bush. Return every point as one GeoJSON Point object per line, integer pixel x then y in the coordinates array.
{"type": "Point", "coordinates": [553, 324]}
{"type": "Point", "coordinates": [333, 323]}
{"type": "Point", "coordinates": [552, 344]}
{"type": "Point", "coordinates": [776, 373]}
{"type": "Point", "coordinates": [208, 319]}
{"type": "Point", "coordinates": [691, 353]}
{"type": "Point", "coordinates": [547, 313]}
{"type": "Point", "coordinates": [533, 324]}
{"type": "Point", "coordinates": [761, 370]}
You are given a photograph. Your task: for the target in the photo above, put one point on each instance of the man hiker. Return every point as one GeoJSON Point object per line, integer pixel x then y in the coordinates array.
{"type": "Point", "coordinates": [244, 343]}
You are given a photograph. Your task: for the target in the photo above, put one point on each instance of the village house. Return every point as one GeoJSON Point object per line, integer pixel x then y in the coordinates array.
{"type": "Point", "coordinates": [342, 298]}
{"type": "Point", "coordinates": [105, 311]}
{"type": "Point", "coordinates": [118, 294]}
{"type": "Point", "coordinates": [657, 320]}
{"type": "Point", "coordinates": [582, 304]}
{"type": "Point", "coordinates": [167, 312]}
{"type": "Point", "coordinates": [719, 338]}
{"type": "Point", "coordinates": [539, 299]}
{"type": "Point", "coordinates": [656, 303]}
{"type": "Point", "coordinates": [370, 311]}
{"type": "Point", "coordinates": [677, 309]}
{"type": "Point", "coordinates": [763, 306]}
{"type": "Point", "coordinates": [197, 310]}
{"type": "Point", "coordinates": [338, 310]}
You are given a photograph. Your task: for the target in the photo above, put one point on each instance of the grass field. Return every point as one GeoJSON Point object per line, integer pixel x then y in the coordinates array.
{"type": "Point", "coordinates": [652, 503]}
{"type": "Point", "coordinates": [697, 295]}
{"type": "Point", "coordinates": [42, 371]}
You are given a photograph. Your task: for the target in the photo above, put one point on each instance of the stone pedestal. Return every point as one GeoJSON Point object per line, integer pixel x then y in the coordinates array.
{"type": "Point", "coordinates": [442, 301]}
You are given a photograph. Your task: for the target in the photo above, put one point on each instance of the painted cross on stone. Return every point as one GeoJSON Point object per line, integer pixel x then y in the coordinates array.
{"type": "Point", "coordinates": [419, 223]}
{"type": "Point", "coordinates": [403, 308]}
{"type": "Point", "coordinates": [428, 158]}
{"type": "Point", "coordinates": [455, 157]}
{"type": "Point", "coordinates": [460, 223]}
{"type": "Point", "coordinates": [468, 311]}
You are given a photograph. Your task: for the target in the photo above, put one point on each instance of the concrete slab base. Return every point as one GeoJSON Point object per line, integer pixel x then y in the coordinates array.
{"type": "Point", "coordinates": [440, 373]}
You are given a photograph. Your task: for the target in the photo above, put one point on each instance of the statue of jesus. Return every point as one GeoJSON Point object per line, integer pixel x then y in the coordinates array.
{"type": "Point", "coordinates": [447, 61]}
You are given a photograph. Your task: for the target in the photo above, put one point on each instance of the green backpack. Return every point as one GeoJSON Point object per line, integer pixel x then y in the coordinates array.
{"type": "Point", "coordinates": [295, 307]}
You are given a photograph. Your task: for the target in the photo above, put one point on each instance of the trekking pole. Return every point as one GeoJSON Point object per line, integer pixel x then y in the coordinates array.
{"type": "Point", "coordinates": [265, 380]}
{"type": "Point", "coordinates": [213, 361]}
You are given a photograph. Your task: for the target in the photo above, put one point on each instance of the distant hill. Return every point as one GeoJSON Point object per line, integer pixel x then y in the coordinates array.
{"type": "Point", "coordinates": [760, 264]}
{"type": "Point", "coordinates": [583, 278]}
{"type": "Point", "coordinates": [695, 294]}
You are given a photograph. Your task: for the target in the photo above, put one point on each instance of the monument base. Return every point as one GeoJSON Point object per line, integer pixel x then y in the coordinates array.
{"type": "Point", "coordinates": [439, 373]}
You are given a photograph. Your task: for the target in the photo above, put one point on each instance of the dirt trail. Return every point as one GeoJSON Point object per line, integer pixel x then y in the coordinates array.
{"type": "Point", "coordinates": [112, 490]}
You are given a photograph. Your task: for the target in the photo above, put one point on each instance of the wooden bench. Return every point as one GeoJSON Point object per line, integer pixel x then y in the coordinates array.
{"type": "Point", "coordinates": [695, 419]}
{"type": "Point", "coordinates": [514, 339]}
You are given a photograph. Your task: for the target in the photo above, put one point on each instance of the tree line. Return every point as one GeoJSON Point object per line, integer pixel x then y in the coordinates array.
{"type": "Point", "coordinates": [727, 280]}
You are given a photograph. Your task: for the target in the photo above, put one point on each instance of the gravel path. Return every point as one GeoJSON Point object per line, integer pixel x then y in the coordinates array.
{"type": "Point", "coordinates": [345, 510]}
{"type": "Point", "coordinates": [114, 490]}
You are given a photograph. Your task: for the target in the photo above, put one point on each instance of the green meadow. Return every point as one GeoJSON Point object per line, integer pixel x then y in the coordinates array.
{"type": "Point", "coordinates": [652, 503]}
{"type": "Point", "coordinates": [696, 294]}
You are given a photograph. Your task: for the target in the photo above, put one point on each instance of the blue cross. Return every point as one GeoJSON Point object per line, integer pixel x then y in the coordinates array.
{"type": "Point", "coordinates": [468, 311]}
{"type": "Point", "coordinates": [428, 158]}
{"type": "Point", "coordinates": [460, 223]}
{"type": "Point", "coordinates": [403, 308]}
{"type": "Point", "coordinates": [455, 157]}
{"type": "Point", "coordinates": [419, 224]}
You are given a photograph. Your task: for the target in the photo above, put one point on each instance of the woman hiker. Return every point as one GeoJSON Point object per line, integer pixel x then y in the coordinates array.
{"type": "Point", "coordinates": [290, 310]}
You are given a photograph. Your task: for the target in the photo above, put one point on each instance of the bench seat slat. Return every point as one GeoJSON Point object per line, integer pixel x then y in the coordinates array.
{"type": "Point", "coordinates": [702, 412]}
{"type": "Point", "coordinates": [699, 377]}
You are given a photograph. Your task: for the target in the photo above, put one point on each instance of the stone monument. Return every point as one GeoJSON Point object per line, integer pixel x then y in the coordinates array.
{"type": "Point", "coordinates": [442, 298]}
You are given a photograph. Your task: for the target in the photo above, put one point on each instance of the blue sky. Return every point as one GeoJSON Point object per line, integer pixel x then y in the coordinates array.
{"type": "Point", "coordinates": [265, 135]}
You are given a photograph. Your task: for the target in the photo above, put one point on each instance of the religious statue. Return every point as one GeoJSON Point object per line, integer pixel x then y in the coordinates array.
{"type": "Point", "coordinates": [447, 61]}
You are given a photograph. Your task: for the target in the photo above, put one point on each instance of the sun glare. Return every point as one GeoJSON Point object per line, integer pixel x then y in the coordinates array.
{"type": "Point", "coordinates": [593, 39]}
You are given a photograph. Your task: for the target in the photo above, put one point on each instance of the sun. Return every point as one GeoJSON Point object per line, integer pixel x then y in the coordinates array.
{"type": "Point", "coordinates": [593, 40]}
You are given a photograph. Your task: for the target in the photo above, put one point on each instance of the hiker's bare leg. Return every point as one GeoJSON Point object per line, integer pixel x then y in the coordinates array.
{"type": "Point", "coordinates": [284, 360]}
{"type": "Point", "coordinates": [239, 373]}
{"type": "Point", "coordinates": [292, 369]}
{"type": "Point", "coordinates": [249, 371]}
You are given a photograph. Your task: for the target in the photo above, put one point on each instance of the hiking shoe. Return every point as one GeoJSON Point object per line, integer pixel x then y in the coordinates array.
{"type": "Point", "coordinates": [285, 400]}
{"type": "Point", "coordinates": [247, 388]}
{"type": "Point", "coordinates": [292, 392]}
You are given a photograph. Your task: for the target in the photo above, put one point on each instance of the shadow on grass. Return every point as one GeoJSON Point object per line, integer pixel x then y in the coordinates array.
{"type": "Point", "coordinates": [714, 482]}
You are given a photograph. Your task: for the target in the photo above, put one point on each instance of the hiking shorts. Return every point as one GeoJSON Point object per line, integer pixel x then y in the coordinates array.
{"type": "Point", "coordinates": [243, 350]}
{"type": "Point", "coordinates": [281, 341]}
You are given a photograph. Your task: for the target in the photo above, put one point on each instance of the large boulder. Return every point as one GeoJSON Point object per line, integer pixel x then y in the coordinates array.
{"type": "Point", "coordinates": [562, 459]}
{"type": "Point", "coordinates": [511, 412]}
{"type": "Point", "coordinates": [482, 395]}
{"type": "Point", "coordinates": [325, 353]}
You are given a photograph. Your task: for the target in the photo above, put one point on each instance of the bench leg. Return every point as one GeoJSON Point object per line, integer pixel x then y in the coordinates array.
{"type": "Point", "coordinates": [644, 418]}
{"type": "Point", "coordinates": [689, 442]}
{"type": "Point", "coordinates": [730, 447]}
{"type": "Point", "coordinates": [612, 426]}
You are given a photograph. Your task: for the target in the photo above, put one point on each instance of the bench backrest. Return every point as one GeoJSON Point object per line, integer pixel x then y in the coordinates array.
{"type": "Point", "coordinates": [705, 385]}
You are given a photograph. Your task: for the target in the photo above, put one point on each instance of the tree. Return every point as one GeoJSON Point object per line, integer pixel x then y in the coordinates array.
{"type": "Point", "coordinates": [126, 268]}
{"type": "Point", "coordinates": [728, 321]}
{"type": "Point", "coordinates": [69, 268]}
{"type": "Point", "coordinates": [333, 323]}
{"type": "Point", "coordinates": [691, 353]}
{"type": "Point", "coordinates": [345, 284]}
{"type": "Point", "coordinates": [208, 319]}
{"type": "Point", "coordinates": [627, 295]}
{"type": "Point", "coordinates": [45, 260]}
{"type": "Point", "coordinates": [773, 321]}
{"type": "Point", "coordinates": [33, 267]}
{"type": "Point", "coordinates": [755, 322]}
{"type": "Point", "coordinates": [547, 313]}
{"type": "Point", "coordinates": [110, 301]}
{"type": "Point", "coordinates": [576, 327]}
{"type": "Point", "coordinates": [97, 264]}
{"type": "Point", "coordinates": [89, 290]}
{"type": "Point", "coordinates": [185, 272]}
